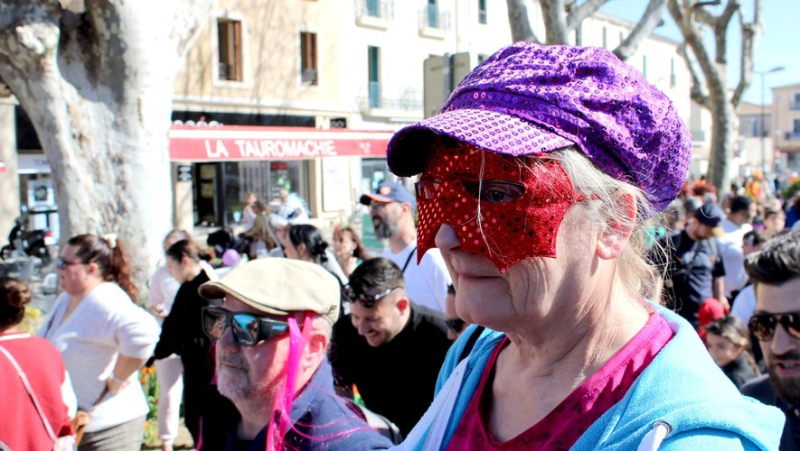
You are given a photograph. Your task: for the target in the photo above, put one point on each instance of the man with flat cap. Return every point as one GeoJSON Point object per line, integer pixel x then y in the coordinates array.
{"type": "Point", "coordinates": [271, 335]}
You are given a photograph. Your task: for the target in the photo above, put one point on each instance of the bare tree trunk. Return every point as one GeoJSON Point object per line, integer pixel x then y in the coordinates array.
{"type": "Point", "coordinates": [722, 133]}
{"type": "Point", "coordinates": [97, 82]}
{"type": "Point", "coordinates": [689, 15]}
{"type": "Point", "coordinates": [555, 22]}
{"type": "Point", "coordinates": [521, 29]}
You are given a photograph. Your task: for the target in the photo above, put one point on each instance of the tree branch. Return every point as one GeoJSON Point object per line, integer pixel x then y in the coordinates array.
{"type": "Point", "coordinates": [698, 91]}
{"type": "Point", "coordinates": [649, 21]}
{"type": "Point", "coordinates": [750, 34]}
{"type": "Point", "coordinates": [520, 22]}
{"type": "Point", "coordinates": [583, 11]}
{"type": "Point", "coordinates": [693, 40]}
{"type": "Point", "coordinates": [721, 28]}
{"type": "Point", "coordinates": [556, 23]}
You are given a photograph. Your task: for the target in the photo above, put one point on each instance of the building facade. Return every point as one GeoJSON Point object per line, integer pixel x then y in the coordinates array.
{"type": "Point", "coordinates": [786, 114]}
{"type": "Point", "coordinates": [303, 95]}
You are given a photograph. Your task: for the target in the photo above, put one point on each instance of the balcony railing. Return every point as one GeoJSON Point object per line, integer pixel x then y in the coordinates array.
{"type": "Point", "coordinates": [795, 105]}
{"type": "Point", "coordinates": [433, 17]}
{"type": "Point", "coordinates": [379, 9]}
{"type": "Point", "coordinates": [793, 136]}
{"type": "Point", "coordinates": [378, 96]}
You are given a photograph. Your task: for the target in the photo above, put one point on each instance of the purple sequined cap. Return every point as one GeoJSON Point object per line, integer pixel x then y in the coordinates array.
{"type": "Point", "coordinates": [528, 99]}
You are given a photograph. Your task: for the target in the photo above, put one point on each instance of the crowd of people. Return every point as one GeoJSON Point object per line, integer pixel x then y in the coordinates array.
{"type": "Point", "coordinates": [552, 283]}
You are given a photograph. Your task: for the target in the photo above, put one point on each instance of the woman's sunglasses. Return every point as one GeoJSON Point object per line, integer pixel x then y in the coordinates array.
{"type": "Point", "coordinates": [367, 299]}
{"type": "Point", "coordinates": [61, 263]}
{"type": "Point", "coordinates": [763, 325]}
{"type": "Point", "coordinates": [248, 330]}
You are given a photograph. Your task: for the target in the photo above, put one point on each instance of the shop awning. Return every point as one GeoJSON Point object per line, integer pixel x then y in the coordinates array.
{"type": "Point", "coordinates": [237, 143]}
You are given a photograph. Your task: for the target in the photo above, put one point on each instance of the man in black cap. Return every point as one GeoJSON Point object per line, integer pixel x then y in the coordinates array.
{"type": "Point", "coordinates": [694, 267]}
{"type": "Point", "coordinates": [392, 210]}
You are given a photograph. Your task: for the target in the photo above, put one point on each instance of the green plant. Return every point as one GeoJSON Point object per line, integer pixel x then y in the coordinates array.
{"type": "Point", "coordinates": [791, 190]}
{"type": "Point", "coordinates": [147, 377]}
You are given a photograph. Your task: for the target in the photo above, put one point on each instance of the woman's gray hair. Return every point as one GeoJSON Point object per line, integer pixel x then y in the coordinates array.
{"type": "Point", "coordinates": [604, 208]}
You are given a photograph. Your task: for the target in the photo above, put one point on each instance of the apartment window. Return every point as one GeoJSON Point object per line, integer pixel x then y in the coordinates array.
{"type": "Point", "coordinates": [308, 58]}
{"type": "Point", "coordinates": [229, 41]}
{"type": "Point", "coordinates": [673, 79]}
{"type": "Point", "coordinates": [605, 37]}
{"type": "Point", "coordinates": [482, 11]}
{"type": "Point", "coordinates": [373, 75]}
{"type": "Point", "coordinates": [796, 126]}
{"type": "Point", "coordinates": [644, 66]}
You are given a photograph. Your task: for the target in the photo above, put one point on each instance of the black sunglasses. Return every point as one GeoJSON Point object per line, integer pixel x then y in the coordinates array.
{"type": "Point", "coordinates": [763, 324]}
{"type": "Point", "coordinates": [495, 191]}
{"type": "Point", "coordinates": [248, 330]}
{"type": "Point", "coordinates": [367, 299]}
{"type": "Point", "coordinates": [456, 324]}
{"type": "Point", "coordinates": [61, 263]}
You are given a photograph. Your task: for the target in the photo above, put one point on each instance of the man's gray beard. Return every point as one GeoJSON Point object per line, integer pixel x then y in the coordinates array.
{"type": "Point", "coordinates": [242, 388]}
{"type": "Point", "coordinates": [385, 231]}
{"type": "Point", "coordinates": [788, 389]}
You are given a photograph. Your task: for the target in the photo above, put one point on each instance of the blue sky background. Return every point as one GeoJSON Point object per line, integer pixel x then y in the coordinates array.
{"type": "Point", "coordinates": [779, 45]}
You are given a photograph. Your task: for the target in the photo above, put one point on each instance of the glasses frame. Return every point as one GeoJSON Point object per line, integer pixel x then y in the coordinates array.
{"type": "Point", "coordinates": [266, 328]}
{"type": "Point", "coordinates": [790, 322]}
{"type": "Point", "coordinates": [61, 263]}
{"type": "Point", "coordinates": [366, 300]}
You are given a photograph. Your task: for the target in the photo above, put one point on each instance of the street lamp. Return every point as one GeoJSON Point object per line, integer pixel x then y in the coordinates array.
{"type": "Point", "coordinates": [763, 120]}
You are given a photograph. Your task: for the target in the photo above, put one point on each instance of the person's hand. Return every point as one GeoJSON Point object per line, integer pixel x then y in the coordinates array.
{"type": "Point", "coordinates": [116, 385]}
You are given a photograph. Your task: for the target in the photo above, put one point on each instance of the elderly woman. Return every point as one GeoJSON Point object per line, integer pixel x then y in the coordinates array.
{"type": "Point", "coordinates": [536, 183]}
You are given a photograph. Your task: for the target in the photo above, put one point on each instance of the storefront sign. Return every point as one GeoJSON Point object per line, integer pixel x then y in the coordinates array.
{"type": "Point", "coordinates": [235, 143]}
{"type": "Point", "coordinates": [35, 163]}
{"type": "Point", "coordinates": [335, 184]}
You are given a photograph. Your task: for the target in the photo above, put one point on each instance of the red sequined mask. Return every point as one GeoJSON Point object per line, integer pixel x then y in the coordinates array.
{"type": "Point", "coordinates": [522, 203]}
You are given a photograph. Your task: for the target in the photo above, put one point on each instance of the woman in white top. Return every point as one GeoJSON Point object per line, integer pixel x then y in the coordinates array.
{"type": "Point", "coordinates": [169, 371]}
{"type": "Point", "coordinates": [104, 339]}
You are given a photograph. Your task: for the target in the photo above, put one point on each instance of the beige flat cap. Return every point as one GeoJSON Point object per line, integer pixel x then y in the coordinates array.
{"type": "Point", "coordinates": [280, 286]}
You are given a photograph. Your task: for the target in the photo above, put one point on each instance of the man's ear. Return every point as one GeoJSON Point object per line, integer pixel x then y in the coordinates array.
{"type": "Point", "coordinates": [403, 304]}
{"type": "Point", "coordinates": [316, 349]}
{"type": "Point", "coordinates": [615, 237]}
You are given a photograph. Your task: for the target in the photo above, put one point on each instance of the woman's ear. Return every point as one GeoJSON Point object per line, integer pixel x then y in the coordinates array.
{"type": "Point", "coordinates": [619, 228]}
{"type": "Point", "coordinates": [301, 249]}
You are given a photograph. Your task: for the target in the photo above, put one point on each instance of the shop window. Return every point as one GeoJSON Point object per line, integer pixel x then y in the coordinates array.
{"type": "Point", "coordinates": [222, 188]}
{"type": "Point", "coordinates": [482, 12]}
{"type": "Point", "coordinates": [308, 58]}
{"type": "Point", "coordinates": [229, 42]}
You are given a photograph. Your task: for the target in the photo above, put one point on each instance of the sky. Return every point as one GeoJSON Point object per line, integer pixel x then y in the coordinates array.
{"type": "Point", "coordinates": [777, 46]}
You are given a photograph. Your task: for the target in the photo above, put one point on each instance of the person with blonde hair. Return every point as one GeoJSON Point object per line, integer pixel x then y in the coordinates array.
{"type": "Point", "coordinates": [536, 183]}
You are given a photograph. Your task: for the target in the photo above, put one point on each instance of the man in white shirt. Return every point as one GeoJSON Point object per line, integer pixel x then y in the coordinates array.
{"type": "Point", "coordinates": [392, 209]}
{"type": "Point", "coordinates": [741, 214]}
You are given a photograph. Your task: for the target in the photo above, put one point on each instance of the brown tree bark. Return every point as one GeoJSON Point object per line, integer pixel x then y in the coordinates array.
{"type": "Point", "coordinates": [96, 78]}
